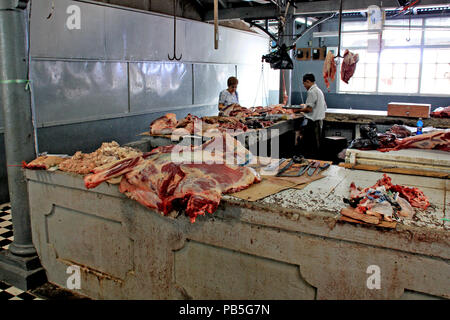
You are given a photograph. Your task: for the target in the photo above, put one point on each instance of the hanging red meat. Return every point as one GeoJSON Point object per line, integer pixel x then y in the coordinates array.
{"type": "Point", "coordinates": [348, 65]}
{"type": "Point", "coordinates": [164, 125]}
{"type": "Point", "coordinates": [329, 69]}
{"type": "Point", "coordinates": [182, 177]}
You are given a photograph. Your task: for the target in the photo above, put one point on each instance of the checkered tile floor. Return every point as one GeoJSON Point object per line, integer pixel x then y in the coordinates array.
{"type": "Point", "coordinates": [8, 292]}
{"type": "Point", "coordinates": [6, 231]}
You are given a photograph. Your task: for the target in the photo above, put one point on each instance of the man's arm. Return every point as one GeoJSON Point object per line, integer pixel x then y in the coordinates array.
{"type": "Point", "coordinates": [311, 101]}
{"type": "Point", "coordinates": [305, 108]}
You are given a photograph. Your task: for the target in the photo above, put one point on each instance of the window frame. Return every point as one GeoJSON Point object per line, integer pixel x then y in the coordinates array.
{"type": "Point", "coordinates": [422, 46]}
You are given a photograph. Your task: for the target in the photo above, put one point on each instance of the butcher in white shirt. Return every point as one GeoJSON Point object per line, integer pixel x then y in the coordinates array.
{"type": "Point", "coordinates": [229, 98]}
{"type": "Point", "coordinates": [314, 110]}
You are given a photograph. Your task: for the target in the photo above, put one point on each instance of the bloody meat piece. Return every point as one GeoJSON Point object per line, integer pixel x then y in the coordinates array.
{"type": "Point", "coordinates": [108, 153]}
{"type": "Point", "coordinates": [43, 162]}
{"type": "Point", "coordinates": [439, 140]}
{"type": "Point", "coordinates": [399, 131]}
{"type": "Point", "coordinates": [163, 182]}
{"type": "Point", "coordinates": [164, 125]}
{"type": "Point", "coordinates": [348, 65]}
{"type": "Point", "coordinates": [441, 113]}
{"type": "Point", "coordinates": [329, 69]}
{"type": "Point", "coordinates": [414, 196]}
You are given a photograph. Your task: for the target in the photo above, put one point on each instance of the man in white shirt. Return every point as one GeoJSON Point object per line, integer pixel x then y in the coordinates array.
{"type": "Point", "coordinates": [314, 110]}
{"type": "Point", "coordinates": [229, 98]}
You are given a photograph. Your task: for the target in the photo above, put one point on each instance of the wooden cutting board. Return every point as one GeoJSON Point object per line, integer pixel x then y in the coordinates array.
{"type": "Point", "coordinates": [268, 186]}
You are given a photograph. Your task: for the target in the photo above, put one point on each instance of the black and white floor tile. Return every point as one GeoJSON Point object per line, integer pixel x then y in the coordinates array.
{"type": "Point", "coordinates": [8, 292]}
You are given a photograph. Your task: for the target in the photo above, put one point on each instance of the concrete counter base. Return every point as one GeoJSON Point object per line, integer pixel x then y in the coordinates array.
{"type": "Point", "coordinates": [243, 251]}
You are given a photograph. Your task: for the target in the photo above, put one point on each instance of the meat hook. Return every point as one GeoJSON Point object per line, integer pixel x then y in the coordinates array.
{"type": "Point", "coordinates": [175, 33]}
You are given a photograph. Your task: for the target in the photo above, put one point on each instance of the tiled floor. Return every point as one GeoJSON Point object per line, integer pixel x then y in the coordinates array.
{"type": "Point", "coordinates": [6, 231]}
{"type": "Point", "coordinates": [8, 292]}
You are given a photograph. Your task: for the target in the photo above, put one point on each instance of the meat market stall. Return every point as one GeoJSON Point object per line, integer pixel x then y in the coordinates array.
{"type": "Point", "coordinates": [251, 128]}
{"type": "Point", "coordinates": [290, 245]}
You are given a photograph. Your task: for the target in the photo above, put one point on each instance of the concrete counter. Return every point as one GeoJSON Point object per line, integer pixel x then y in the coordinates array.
{"type": "Point", "coordinates": [261, 250]}
{"type": "Point", "coordinates": [380, 117]}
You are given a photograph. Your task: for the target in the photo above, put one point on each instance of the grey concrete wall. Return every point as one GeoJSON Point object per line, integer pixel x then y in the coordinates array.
{"type": "Point", "coordinates": [339, 100]}
{"type": "Point", "coordinates": [109, 79]}
{"type": "Point", "coordinates": [127, 251]}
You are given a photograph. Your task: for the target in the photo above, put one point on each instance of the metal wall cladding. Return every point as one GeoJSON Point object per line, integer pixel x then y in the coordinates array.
{"type": "Point", "coordinates": [120, 34]}
{"type": "Point", "coordinates": [50, 36]}
{"type": "Point", "coordinates": [210, 80]}
{"type": "Point", "coordinates": [69, 91]}
{"type": "Point", "coordinates": [235, 46]}
{"type": "Point", "coordinates": [160, 85]}
{"type": "Point", "coordinates": [88, 136]}
{"type": "Point", "coordinates": [137, 36]}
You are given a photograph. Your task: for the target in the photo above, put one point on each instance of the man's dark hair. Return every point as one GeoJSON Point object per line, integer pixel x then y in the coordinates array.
{"type": "Point", "coordinates": [232, 81]}
{"type": "Point", "coordinates": [310, 77]}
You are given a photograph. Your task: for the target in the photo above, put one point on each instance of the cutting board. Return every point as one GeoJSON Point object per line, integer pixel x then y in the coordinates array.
{"type": "Point", "coordinates": [268, 186]}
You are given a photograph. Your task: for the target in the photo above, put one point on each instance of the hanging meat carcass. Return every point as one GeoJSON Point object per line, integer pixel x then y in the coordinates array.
{"type": "Point", "coordinates": [329, 69]}
{"type": "Point", "coordinates": [348, 65]}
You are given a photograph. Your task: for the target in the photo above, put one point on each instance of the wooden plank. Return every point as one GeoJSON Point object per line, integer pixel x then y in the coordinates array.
{"type": "Point", "coordinates": [410, 110]}
{"type": "Point", "coordinates": [351, 213]}
{"type": "Point", "coordinates": [413, 172]}
{"type": "Point", "coordinates": [384, 224]}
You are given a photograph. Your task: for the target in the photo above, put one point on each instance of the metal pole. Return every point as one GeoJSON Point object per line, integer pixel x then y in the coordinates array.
{"type": "Point", "coordinates": [286, 82]}
{"type": "Point", "coordinates": [19, 265]}
{"type": "Point", "coordinates": [19, 133]}
{"type": "Point", "coordinates": [216, 24]}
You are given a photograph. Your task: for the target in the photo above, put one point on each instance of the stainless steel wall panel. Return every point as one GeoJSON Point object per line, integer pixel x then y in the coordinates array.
{"type": "Point", "coordinates": [235, 46]}
{"type": "Point", "coordinates": [117, 34]}
{"type": "Point", "coordinates": [156, 85]}
{"type": "Point", "coordinates": [50, 36]}
{"type": "Point", "coordinates": [137, 36]}
{"type": "Point", "coordinates": [209, 80]}
{"type": "Point", "coordinates": [78, 90]}
{"type": "Point", "coordinates": [88, 136]}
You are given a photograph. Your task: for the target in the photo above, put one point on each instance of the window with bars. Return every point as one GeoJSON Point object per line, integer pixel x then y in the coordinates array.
{"type": "Point", "coordinates": [412, 58]}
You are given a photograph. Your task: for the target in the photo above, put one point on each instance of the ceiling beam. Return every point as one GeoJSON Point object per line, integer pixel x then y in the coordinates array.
{"type": "Point", "coordinates": [313, 7]}
{"type": "Point", "coordinates": [255, 12]}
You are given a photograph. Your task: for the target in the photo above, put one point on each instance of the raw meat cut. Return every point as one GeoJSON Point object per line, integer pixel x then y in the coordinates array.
{"type": "Point", "coordinates": [108, 153]}
{"type": "Point", "coordinates": [43, 162]}
{"type": "Point", "coordinates": [329, 69]}
{"type": "Point", "coordinates": [168, 179]}
{"type": "Point", "coordinates": [399, 131]}
{"type": "Point", "coordinates": [348, 65]}
{"type": "Point", "coordinates": [441, 112]}
{"type": "Point", "coordinates": [439, 139]}
{"type": "Point", "coordinates": [414, 196]}
{"type": "Point", "coordinates": [164, 125]}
